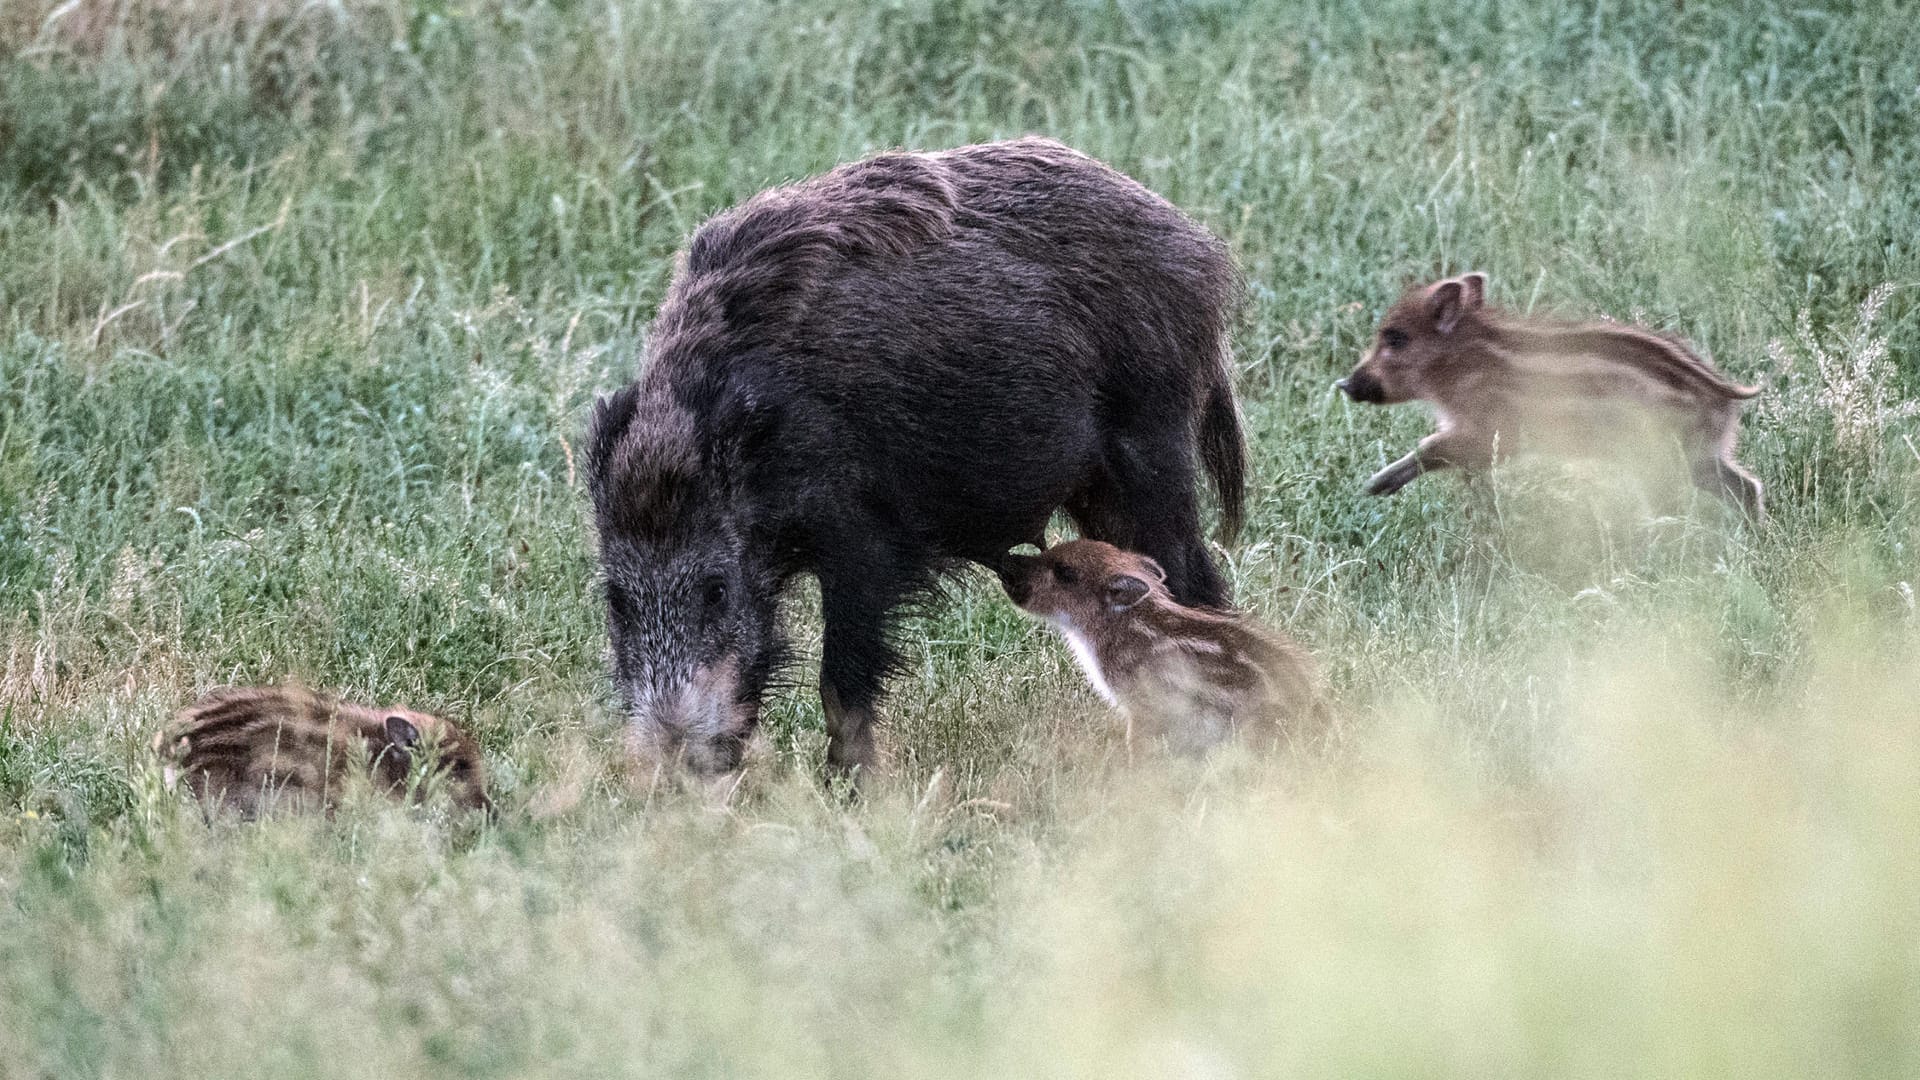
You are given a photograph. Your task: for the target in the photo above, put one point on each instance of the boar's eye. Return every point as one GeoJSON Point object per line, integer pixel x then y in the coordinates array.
{"type": "Point", "coordinates": [1066, 575]}
{"type": "Point", "coordinates": [1393, 338]}
{"type": "Point", "coordinates": [619, 602]}
{"type": "Point", "coordinates": [713, 593]}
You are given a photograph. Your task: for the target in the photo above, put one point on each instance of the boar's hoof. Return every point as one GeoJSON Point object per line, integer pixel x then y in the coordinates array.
{"type": "Point", "coordinates": [849, 736]}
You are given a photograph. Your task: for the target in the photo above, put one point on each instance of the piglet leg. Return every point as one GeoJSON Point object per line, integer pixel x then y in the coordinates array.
{"type": "Point", "coordinates": [1440, 450]}
{"type": "Point", "coordinates": [1727, 479]}
{"type": "Point", "coordinates": [1395, 476]}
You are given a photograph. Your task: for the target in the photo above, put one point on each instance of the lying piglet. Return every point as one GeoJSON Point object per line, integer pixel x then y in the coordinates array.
{"type": "Point", "coordinates": [263, 747]}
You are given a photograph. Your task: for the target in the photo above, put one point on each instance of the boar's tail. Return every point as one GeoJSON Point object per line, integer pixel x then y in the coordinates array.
{"type": "Point", "coordinates": [1224, 453]}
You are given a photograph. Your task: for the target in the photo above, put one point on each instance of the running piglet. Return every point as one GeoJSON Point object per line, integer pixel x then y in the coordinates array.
{"type": "Point", "coordinates": [1501, 383]}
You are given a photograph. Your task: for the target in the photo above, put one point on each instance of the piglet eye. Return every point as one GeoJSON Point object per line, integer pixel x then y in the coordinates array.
{"type": "Point", "coordinates": [713, 592]}
{"type": "Point", "coordinates": [1066, 575]}
{"type": "Point", "coordinates": [1393, 338]}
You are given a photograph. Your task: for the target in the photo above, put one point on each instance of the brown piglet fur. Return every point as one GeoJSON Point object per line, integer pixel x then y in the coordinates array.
{"type": "Point", "coordinates": [1184, 676]}
{"type": "Point", "coordinates": [262, 747]}
{"type": "Point", "coordinates": [1500, 382]}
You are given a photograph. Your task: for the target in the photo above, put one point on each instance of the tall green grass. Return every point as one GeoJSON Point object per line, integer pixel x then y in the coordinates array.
{"type": "Point", "coordinates": [301, 306]}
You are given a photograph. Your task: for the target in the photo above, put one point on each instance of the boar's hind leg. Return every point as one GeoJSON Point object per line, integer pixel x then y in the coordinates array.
{"type": "Point", "coordinates": [1145, 503]}
{"type": "Point", "coordinates": [856, 657]}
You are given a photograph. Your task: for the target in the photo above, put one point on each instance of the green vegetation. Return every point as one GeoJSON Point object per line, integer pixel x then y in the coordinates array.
{"type": "Point", "coordinates": [302, 306]}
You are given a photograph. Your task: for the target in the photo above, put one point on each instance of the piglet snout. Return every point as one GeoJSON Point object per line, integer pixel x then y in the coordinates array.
{"type": "Point", "coordinates": [1361, 387]}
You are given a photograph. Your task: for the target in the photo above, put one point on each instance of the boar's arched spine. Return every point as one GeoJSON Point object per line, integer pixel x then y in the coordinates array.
{"type": "Point", "coordinates": [878, 375]}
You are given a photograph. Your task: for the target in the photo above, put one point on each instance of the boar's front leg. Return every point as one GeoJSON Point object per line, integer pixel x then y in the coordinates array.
{"type": "Point", "coordinates": [857, 654]}
{"type": "Point", "coordinates": [1440, 450]}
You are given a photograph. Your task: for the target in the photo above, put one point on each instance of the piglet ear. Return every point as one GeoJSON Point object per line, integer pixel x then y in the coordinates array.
{"type": "Point", "coordinates": [401, 732]}
{"type": "Point", "coordinates": [1474, 286]}
{"type": "Point", "coordinates": [1125, 590]}
{"type": "Point", "coordinates": [1154, 568]}
{"type": "Point", "coordinates": [1446, 302]}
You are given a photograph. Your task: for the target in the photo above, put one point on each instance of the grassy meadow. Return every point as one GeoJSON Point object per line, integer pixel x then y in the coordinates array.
{"type": "Point", "coordinates": [302, 307]}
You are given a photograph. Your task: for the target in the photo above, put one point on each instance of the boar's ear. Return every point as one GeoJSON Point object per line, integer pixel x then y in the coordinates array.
{"type": "Point", "coordinates": [1446, 302]}
{"type": "Point", "coordinates": [611, 415]}
{"type": "Point", "coordinates": [612, 411]}
{"type": "Point", "coordinates": [745, 413]}
{"type": "Point", "coordinates": [1126, 590]}
{"type": "Point", "coordinates": [1475, 290]}
{"type": "Point", "coordinates": [401, 732]}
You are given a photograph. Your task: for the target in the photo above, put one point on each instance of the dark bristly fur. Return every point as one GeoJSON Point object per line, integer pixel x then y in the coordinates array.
{"type": "Point", "coordinates": [257, 748]}
{"type": "Point", "coordinates": [1185, 677]}
{"type": "Point", "coordinates": [1500, 380]}
{"type": "Point", "coordinates": [878, 374]}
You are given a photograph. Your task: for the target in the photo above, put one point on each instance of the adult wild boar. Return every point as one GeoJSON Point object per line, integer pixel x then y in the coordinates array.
{"type": "Point", "coordinates": [880, 374]}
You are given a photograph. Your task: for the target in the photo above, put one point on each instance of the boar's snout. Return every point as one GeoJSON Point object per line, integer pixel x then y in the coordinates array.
{"type": "Point", "coordinates": [1363, 388]}
{"type": "Point", "coordinates": [701, 723]}
{"type": "Point", "coordinates": [1016, 573]}
{"type": "Point", "coordinates": [665, 742]}
{"type": "Point", "coordinates": [670, 747]}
